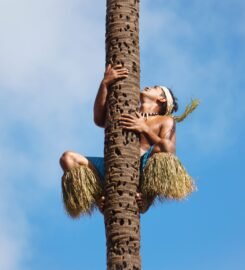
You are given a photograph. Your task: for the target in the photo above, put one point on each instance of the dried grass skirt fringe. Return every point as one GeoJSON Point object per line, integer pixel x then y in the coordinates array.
{"type": "Point", "coordinates": [81, 188]}
{"type": "Point", "coordinates": [164, 176]}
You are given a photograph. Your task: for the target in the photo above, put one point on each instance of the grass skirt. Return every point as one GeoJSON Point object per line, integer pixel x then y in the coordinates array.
{"type": "Point", "coordinates": [164, 176]}
{"type": "Point", "coordinates": [81, 188]}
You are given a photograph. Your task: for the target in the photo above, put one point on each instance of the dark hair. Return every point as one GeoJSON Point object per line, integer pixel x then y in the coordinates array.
{"type": "Point", "coordinates": [175, 101]}
{"type": "Point", "coordinates": [175, 104]}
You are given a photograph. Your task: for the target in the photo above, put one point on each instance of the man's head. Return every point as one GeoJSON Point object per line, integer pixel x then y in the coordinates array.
{"type": "Point", "coordinates": [162, 96]}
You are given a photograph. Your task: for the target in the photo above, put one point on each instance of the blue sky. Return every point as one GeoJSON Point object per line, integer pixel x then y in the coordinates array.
{"type": "Point", "coordinates": [51, 63]}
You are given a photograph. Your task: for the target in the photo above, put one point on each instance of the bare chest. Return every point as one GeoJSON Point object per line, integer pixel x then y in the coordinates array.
{"type": "Point", "coordinates": [154, 127]}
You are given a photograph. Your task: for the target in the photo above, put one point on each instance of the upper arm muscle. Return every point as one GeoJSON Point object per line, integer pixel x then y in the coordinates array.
{"type": "Point", "coordinates": [167, 130]}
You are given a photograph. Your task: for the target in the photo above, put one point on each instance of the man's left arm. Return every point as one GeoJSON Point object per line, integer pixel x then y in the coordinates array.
{"type": "Point", "coordinates": [167, 134]}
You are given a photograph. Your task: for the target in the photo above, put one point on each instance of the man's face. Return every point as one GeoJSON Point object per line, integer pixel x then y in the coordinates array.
{"type": "Point", "coordinates": [154, 92]}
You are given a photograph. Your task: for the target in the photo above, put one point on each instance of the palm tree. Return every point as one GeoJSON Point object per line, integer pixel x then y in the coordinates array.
{"type": "Point", "coordinates": [122, 218]}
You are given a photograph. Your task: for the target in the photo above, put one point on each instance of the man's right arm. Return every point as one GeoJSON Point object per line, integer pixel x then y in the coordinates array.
{"type": "Point", "coordinates": [100, 105]}
{"type": "Point", "coordinates": [112, 74]}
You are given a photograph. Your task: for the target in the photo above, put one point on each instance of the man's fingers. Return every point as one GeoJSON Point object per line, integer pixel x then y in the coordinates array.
{"type": "Point", "coordinates": [101, 204]}
{"type": "Point", "coordinates": [118, 69]}
{"type": "Point", "coordinates": [123, 118]}
{"type": "Point", "coordinates": [127, 119]}
{"type": "Point", "coordinates": [126, 122]}
{"type": "Point", "coordinates": [117, 66]}
{"type": "Point", "coordinates": [120, 76]}
{"type": "Point", "coordinates": [139, 200]}
{"type": "Point", "coordinates": [128, 128]}
{"type": "Point", "coordinates": [121, 72]}
{"type": "Point", "coordinates": [108, 67]}
{"type": "Point", "coordinates": [138, 197]}
{"type": "Point", "coordinates": [129, 116]}
{"type": "Point", "coordinates": [125, 125]}
{"type": "Point", "coordinates": [121, 69]}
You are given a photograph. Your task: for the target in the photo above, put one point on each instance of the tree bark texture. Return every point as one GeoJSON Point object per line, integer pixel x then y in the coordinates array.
{"type": "Point", "coordinates": [122, 219]}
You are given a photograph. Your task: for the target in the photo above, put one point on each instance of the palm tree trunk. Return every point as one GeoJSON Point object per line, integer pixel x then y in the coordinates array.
{"type": "Point", "coordinates": [122, 219]}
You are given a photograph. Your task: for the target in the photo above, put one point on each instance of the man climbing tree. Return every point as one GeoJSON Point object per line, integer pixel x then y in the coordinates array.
{"type": "Point", "coordinates": [156, 128]}
{"type": "Point", "coordinates": [137, 139]}
{"type": "Point", "coordinates": [153, 122]}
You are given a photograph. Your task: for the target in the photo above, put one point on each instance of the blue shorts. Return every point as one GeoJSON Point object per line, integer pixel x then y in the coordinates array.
{"type": "Point", "coordinates": [99, 162]}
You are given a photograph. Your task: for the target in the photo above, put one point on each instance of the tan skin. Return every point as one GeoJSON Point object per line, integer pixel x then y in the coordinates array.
{"type": "Point", "coordinates": [157, 130]}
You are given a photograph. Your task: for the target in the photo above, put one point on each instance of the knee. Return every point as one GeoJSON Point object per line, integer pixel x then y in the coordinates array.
{"type": "Point", "coordinates": [70, 160]}
{"type": "Point", "coordinates": [66, 159]}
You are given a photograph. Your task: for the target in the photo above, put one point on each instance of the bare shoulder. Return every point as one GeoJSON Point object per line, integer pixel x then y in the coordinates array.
{"type": "Point", "coordinates": [168, 128]}
{"type": "Point", "coordinates": [166, 120]}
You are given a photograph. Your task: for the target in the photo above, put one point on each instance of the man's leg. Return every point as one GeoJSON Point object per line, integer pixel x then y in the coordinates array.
{"type": "Point", "coordinates": [143, 202]}
{"type": "Point", "coordinates": [70, 160]}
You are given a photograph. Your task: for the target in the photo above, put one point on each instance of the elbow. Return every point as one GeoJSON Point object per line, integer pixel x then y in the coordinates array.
{"type": "Point", "coordinates": [99, 122]}
{"type": "Point", "coordinates": [99, 117]}
{"type": "Point", "coordinates": [167, 146]}
{"type": "Point", "coordinates": [172, 149]}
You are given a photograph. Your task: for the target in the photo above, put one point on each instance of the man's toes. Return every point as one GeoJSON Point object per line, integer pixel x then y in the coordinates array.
{"type": "Point", "coordinates": [138, 197]}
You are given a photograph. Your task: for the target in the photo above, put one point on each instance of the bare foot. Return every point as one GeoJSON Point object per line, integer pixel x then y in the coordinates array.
{"type": "Point", "coordinates": [101, 204]}
{"type": "Point", "coordinates": [142, 202]}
